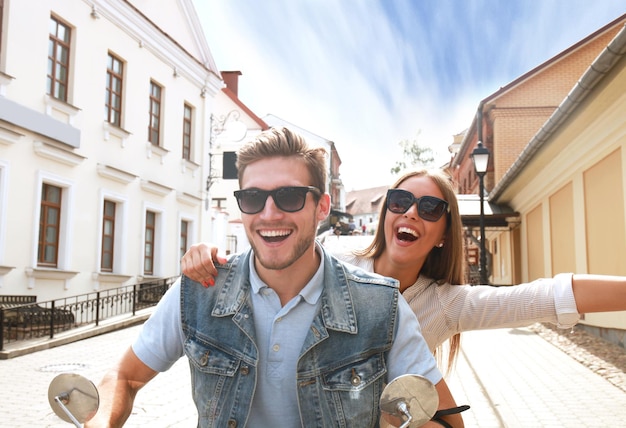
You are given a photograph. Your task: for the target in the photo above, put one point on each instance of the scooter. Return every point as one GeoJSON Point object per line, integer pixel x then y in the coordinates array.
{"type": "Point", "coordinates": [410, 400]}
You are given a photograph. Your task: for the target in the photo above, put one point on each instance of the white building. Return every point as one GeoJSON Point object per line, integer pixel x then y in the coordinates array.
{"type": "Point", "coordinates": [232, 127]}
{"type": "Point", "coordinates": [105, 123]}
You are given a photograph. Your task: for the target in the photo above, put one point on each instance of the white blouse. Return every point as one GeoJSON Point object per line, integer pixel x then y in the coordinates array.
{"type": "Point", "coordinates": [444, 310]}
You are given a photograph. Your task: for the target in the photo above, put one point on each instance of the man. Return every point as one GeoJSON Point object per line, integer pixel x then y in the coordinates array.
{"type": "Point", "coordinates": [287, 335]}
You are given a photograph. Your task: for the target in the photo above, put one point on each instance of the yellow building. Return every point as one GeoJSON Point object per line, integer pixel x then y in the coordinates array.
{"type": "Point", "coordinates": [562, 168]}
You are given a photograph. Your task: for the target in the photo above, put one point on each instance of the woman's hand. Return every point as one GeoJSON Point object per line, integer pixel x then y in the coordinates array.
{"type": "Point", "coordinates": [199, 261]}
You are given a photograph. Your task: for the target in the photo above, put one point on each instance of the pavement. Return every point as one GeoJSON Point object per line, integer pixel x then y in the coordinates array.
{"type": "Point", "coordinates": [515, 378]}
{"type": "Point", "coordinates": [509, 377]}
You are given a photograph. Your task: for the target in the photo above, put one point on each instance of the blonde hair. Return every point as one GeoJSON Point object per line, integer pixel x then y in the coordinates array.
{"type": "Point", "coordinates": [282, 142]}
{"type": "Point", "coordinates": [443, 265]}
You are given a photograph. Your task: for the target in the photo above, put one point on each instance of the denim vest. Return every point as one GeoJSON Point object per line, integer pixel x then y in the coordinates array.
{"type": "Point", "coordinates": [342, 367]}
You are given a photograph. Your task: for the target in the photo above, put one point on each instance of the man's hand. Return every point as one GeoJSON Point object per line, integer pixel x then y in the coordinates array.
{"type": "Point", "coordinates": [118, 389]}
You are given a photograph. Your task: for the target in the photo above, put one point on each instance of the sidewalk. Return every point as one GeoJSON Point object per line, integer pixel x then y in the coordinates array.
{"type": "Point", "coordinates": [509, 377]}
{"type": "Point", "coordinates": [515, 378]}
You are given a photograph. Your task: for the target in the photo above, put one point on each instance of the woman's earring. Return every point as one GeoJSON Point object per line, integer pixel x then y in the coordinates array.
{"type": "Point", "coordinates": [440, 245]}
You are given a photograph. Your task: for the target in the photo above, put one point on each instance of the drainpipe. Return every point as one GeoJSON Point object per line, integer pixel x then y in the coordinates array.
{"type": "Point", "coordinates": [479, 121]}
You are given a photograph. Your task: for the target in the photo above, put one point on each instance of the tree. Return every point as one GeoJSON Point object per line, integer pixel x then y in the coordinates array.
{"type": "Point", "coordinates": [414, 155]}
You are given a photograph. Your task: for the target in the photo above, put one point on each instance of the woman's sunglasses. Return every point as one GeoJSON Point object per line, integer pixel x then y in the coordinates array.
{"type": "Point", "coordinates": [428, 207]}
{"type": "Point", "coordinates": [289, 199]}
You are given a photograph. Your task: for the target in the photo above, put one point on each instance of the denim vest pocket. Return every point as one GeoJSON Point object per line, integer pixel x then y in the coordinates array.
{"type": "Point", "coordinates": [355, 375]}
{"type": "Point", "coordinates": [209, 359]}
{"type": "Point", "coordinates": [351, 393]}
{"type": "Point", "coordinates": [222, 383]}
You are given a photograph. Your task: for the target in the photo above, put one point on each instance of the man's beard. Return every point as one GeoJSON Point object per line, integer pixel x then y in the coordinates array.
{"type": "Point", "coordinates": [300, 248]}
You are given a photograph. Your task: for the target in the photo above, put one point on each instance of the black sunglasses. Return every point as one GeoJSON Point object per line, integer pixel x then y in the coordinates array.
{"type": "Point", "coordinates": [289, 199]}
{"type": "Point", "coordinates": [429, 208]}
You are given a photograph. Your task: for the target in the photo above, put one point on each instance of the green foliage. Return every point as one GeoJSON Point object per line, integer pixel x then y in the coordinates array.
{"type": "Point", "coordinates": [413, 155]}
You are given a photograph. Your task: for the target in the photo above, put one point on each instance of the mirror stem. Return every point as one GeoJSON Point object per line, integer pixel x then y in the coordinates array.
{"type": "Point", "coordinates": [402, 408]}
{"type": "Point", "coordinates": [60, 399]}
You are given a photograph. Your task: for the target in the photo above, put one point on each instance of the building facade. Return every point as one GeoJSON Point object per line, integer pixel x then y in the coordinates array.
{"type": "Point", "coordinates": [505, 122]}
{"type": "Point", "coordinates": [105, 111]}
{"type": "Point", "coordinates": [364, 205]}
{"type": "Point", "coordinates": [232, 125]}
{"type": "Point", "coordinates": [558, 141]}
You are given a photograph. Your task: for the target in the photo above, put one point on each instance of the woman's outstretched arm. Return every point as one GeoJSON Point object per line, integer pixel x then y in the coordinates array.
{"type": "Point", "coordinates": [599, 293]}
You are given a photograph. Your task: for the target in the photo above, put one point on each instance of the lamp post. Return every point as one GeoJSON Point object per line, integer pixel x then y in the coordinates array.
{"type": "Point", "coordinates": [235, 130]}
{"type": "Point", "coordinates": [480, 157]}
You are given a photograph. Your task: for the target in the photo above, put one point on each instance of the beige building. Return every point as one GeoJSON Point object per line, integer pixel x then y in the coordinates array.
{"type": "Point", "coordinates": [105, 110]}
{"type": "Point", "coordinates": [558, 141]}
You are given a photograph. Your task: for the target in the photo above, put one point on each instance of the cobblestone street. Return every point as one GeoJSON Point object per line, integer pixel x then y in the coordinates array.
{"type": "Point", "coordinates": [519, 378]}
{"type": "Point", "coordinates": [598, 355]}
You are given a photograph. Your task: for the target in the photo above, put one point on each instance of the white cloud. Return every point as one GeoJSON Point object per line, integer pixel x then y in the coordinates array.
{"type": "Point", "coordinates": [368, 74]}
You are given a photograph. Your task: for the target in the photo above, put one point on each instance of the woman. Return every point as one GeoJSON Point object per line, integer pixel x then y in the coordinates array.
{"type": "Point", "coordinates": [420, 243]}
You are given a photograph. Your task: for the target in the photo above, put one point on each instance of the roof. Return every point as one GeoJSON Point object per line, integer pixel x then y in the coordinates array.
{"type": "Point", "coordinates": [179, 22]}
{"type": "Point", "coordinates": [474, 128]}
{"type": "Point", "coordinates": [495, 215]}
{"type": "Point", "coordinates": [596, 72]}
{"type": "Point", "coordinates": [365, 201]}
{"type": "Point", "coordinates": [234, 98]}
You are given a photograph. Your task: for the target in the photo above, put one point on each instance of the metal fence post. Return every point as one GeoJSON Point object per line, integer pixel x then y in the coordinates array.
{"type": "Point", "coordinates": [1, 329]}
{"type": "Point", "coordinates": [134, 298]}
{"type": "Point", "coordinates": [97, 308]}
{"type": "Point", "coordinates": [52, 320]}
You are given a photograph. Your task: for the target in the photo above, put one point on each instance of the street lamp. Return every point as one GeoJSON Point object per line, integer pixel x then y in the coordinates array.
{"type": "Point", "coordinates": [480, 157]}
{"type": "Point", "coordinates": [234, 129]}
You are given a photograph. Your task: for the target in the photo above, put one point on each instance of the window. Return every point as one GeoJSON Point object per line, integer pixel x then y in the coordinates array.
{"type": "Point", "coordinates": [228, 165]}
{"type": "Point", "coordinates": [155, 114]}
{"type": "Point", "coordinates": [148, 262]}
{"type": "Point", "coordinates": [58, 59]}
{"type": "Point", "coordinates": [184, 237]}
{"type": "Point", "coordinates": [219, 202]}
{"type": "Point", "coordinates": [108, 236]}
{"type": "Point", "coordinates": [113, 101]}
{"type": "Point", "coordinates": [49, 225]}
{"type": "Point", "coordinates": [187, 132]}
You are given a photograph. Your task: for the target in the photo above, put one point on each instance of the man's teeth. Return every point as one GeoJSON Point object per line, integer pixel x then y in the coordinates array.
{"type": "Point", "coordinates": [407, 230]}
{"type": "Point", "coordinates": [273, 233]}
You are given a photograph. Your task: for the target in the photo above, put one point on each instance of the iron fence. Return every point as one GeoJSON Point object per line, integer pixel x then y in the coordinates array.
{"type": "Point", "coordinates": [23, 321]}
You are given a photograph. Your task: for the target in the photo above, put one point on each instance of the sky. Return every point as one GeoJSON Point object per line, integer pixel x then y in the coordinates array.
{"type": "Point", "coordinates": [368, 74]}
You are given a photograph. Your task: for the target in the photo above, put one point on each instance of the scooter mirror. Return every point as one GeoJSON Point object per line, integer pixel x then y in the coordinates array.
{"type": "Point", "coordinates": [73, 398]}
{"type": "Point", "coordinates": [411, 399]}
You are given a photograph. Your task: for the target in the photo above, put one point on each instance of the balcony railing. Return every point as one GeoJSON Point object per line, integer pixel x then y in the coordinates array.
{"type": "Point", "coordinates": [22, 319]}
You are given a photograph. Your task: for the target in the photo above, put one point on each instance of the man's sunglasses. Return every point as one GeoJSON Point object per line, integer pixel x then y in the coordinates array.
{"type": "Point", "coordinates": [289, 199]}
{"type": "Point", "coordinates": [428, 207]}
